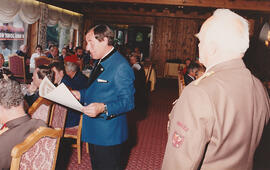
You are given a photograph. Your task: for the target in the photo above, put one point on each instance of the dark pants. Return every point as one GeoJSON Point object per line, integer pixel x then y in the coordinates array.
{"type": "Point", "coordinates": [108, 157]}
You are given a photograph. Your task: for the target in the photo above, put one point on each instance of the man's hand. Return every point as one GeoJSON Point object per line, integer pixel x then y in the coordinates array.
{"type": "Point", "coordinates": [76, 93]}
{"type": "Point", "coordinates": [31, 89]}
{"type": "Point", "coordinates": [93, 109]}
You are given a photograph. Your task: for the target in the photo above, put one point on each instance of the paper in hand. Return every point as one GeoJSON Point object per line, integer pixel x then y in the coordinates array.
{"type": "Point", "coordinates": [59, 94]}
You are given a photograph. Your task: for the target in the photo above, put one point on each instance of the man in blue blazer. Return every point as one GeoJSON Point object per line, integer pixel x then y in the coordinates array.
{"type": "Point", "coordinates": [109, 96]}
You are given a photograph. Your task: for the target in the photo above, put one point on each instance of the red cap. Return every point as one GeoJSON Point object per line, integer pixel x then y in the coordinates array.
{"type": "Point", "coordinates": [72, 59]}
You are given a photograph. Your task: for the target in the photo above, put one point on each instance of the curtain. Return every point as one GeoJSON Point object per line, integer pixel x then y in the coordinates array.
{"type": "Point", "coordinates": [30, 11]}
{"type": "Point", "coordinates": [65, 19]}
{"type": "Point", "coordinates": [8, 10]}
{"type": "Point", "coordinates": [76, 22]}
{"type": "Point", "coordinates": [53, 15]}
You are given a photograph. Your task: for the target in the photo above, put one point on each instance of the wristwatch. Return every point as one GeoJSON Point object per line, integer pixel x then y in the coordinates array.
{"type": "Point", "coordinates": [105, 109]}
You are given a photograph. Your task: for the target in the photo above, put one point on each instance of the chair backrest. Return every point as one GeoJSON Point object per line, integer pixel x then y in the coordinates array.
{"type": "Point", "coordinates": [74, 132]}
{"type": "Point", "coordinates": [181, 83]}
{"type": "Point", "coordinates": [148, 73]}
{"type": "Point", "coordinates": [17, 67]}
{"type": "Point", "coordinates": [58, 116]}
{"type": "Point", "coordinates": [41, 109]}
{"type": "Point", "coordinates": [42, 60]}
{"type": "Point", "coordinates": [38, 151]}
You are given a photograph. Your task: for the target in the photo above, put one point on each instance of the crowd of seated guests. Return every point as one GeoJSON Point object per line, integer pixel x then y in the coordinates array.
{"type": "Point", "coordinates": [64, 69]}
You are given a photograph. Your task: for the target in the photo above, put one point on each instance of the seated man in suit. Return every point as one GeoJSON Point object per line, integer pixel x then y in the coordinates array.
{"type": "Point", "coordinates": [53, 53]}
{"type": "Point", "coordinates": [59, 73]}
{"type": "Point", "coordinates": [17, 125]}
{"type": "Point", "coordinates": [190, 75]}
{"type": "Point", "coordinates": [77, 81]}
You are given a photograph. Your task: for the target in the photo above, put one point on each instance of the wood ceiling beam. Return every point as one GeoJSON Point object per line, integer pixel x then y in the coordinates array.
{"type": "Point", "coordinates": [142, 12]}
{"type": "Point", "coordinates": [256, 5]}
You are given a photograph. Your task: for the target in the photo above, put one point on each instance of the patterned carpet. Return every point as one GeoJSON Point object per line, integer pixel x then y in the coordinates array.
{"type": "Point", "coordinates": [148, 134]}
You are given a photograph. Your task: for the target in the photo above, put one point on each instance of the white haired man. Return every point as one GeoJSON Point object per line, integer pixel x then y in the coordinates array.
{"type": "Point", "coordinates": [219, 118]}
{"type": "Point", "coordinates": [76, 81]}
{"type": "Point", "coordinates": [17, 125]}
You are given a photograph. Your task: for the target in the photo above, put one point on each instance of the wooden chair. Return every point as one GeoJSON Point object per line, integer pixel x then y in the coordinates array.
{"type": "Point", "coordinates": [17, 67]}
{"type": "Point", "coordinates": [38, 151]}
{"type": "Point", "coordinates": [42, 60]}
{"type": "Point", "coordinates": [41, 109]}
{"type": "Point", "coordinates": [147, 77]}
{"type": "Point", "coordinates": [181, 83]}
{"type": "Point", "coordinates": [58, 116]}
{"type": "Point", "coordinates": [75, 133]}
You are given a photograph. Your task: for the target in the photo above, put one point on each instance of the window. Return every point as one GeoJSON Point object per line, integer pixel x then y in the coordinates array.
{"type": "Point", "coordinates": [12, 36]}
{"type": "Point", "coordinates": [60, 36]}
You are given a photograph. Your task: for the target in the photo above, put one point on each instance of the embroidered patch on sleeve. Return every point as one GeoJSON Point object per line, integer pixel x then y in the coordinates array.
{"type": "Point", "coordinates": [177, 140]}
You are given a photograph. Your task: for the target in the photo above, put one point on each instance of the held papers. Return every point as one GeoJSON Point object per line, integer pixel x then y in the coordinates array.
{"type": "Point", "coordinates": [59, 94]}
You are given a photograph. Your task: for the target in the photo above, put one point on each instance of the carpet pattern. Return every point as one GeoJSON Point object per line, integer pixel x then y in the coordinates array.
{"type": "Point", "coordinates": [148, 134]}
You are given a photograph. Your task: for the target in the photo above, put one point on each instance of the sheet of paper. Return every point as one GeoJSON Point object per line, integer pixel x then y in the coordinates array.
{"type": "Point", "coordinates": [59, 94]}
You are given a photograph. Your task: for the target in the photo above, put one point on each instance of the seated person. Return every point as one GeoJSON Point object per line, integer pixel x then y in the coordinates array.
{"type": "Point", "coordinates": [63, 54]}
{"type": "Point", "coordinates": [37, 54]}
{"type": "Point", "coordinates": [84, 58]}
{"type": "Point", "coordinates": [201, 70]}
{"type": "Point", "coordinates": [4, 71]}
{"type": "Point", "coordinates": [5, 50]}
{"type": "Point", "coordinates": [17, 125]}
{"type": "Point", "coordinates": [76, 78]}
{"type": "Point", "coordinates": [38, 75]}
{"type": "Point", "coordinates": [54, 53]}
{"type": "Point", "coordinates": [186, 62]}
{"type": "Point", "coordinates": [190, 75]}
{"type": "Point", "coordinates": [23, 52]}
{"type": "Point", "coordinates": [138, 54]}
{"type": "Point", "coordinates": [59, 73]}
{"type": "Point", "coordinates": [77, 81]}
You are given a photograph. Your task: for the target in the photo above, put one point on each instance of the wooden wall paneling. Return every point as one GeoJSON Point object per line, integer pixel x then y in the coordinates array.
{"type": "Point", "coordinates": [32, 38]}
{"type": "Point", "coordinates": [88, 23]}
{"type": "Point", "coordinates": [178, 39]}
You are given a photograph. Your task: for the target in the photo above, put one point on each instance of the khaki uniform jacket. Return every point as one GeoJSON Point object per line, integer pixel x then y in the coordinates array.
{"type": "Point", "coordinates": [218, 121]}
{"type": "Point", "coordinates": [18, 130]}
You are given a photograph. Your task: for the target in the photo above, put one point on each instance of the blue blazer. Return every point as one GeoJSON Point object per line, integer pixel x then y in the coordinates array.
{"type": "Point", "coordinates": [111, 82]}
